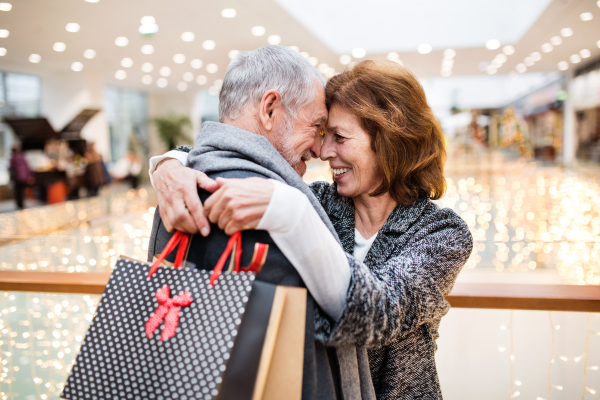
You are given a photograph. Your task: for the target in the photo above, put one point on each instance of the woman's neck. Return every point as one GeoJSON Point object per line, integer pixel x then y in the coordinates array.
{"type": "Point", "coordinates": [370, 213]}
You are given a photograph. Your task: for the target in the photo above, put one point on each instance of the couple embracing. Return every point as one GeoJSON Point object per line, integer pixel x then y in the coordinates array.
{"type": "Point", "coordinates": [376, 255]}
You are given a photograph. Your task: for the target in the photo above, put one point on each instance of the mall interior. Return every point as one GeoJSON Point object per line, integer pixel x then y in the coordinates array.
{"type": "Point", "coordinates": [91, 89]}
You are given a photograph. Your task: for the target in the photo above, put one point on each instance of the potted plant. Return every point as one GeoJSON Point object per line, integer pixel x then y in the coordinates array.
{"type": "Point", "coordinates": [172, 130]}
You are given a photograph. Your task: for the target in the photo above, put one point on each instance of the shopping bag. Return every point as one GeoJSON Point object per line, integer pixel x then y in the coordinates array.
{"type": "Point", "coordinates": [182, 333]}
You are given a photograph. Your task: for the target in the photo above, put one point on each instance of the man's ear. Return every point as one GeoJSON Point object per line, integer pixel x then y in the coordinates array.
{"type": "Point", "coordinates": [270, 107]}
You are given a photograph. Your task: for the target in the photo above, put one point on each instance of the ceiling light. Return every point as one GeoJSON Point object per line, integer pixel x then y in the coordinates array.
{"type": "Point", "coordinates": [563, 65]}
{"type": "Point", "coordinates": [147, 67]}
{"type": "Point", "coordinates": [228, 13]}
{"type": "Point", "coordinates": [446, 72]}
{"type": "Point", "coordinates": [147, 20]}
{"type": "Point", "coordinates": [547, 48]}
{"type": "Point", "coordinates": [304, 54]}
{"type": "Point", "coordinates": [448, 53]}
{"type": "Point", "coordinates": [345, 59]}
{"type": "Point", "coordinates": [72, 27]}
{"type": "Point", "coordinates": [196, 63]}
{"type": "Point", "coordinates": [585, 53]}
{"type": "Point", "coordinates": [323, 68]}
{"type": "Point", "coordinates": [201, 80]}
{"type": "Point", "coordinates": [233, 53]}
{"type": "Point", "coordinates": [274, 39]}
{"type": "Point", "coordinates": [182, 86]}
{"type": "Point", "coordinates": [121, 41]}
{"type": "Point", "coordinates": [447, 62]}
{"type": "Point", "coordinates": [501, 57]}
{"type": "Point", "coordinates": [179, 58]}
{"type": "Point", "coordinates": [92, 1]}
{"type": "Point", "coordinates": [212, 68]}
{"type": "Point", "coordinates": [164, 71]}
{"type": "Point", "coordinates": [146, 79]}
{"type": "Point", "coordinates": [496, 63]}
{"type": "Point", "coordinates": [120, 74]}
{"type": "Point", "coordinates": [89, 54]}
{"type": "Point", "coordinates": [575, 58]}
{"type": "Point", "coordinates": [556, 40]}
{"type": "Point", "coordinates": [359, 52]}
{"type": "Point", "coordinates": [4, 33]}
{"type": "Point", "coordinates": [258, 30]}
{"type": "Point", "coordinates": [529, 61]}
{"type": "Point", "coordinates": [208, 44]}
{"type": "Point", "coordinates": [424, 48]}
{"type": "Point", "coordinates": [536, 56]}
{"type": "Point", "coordinates": [508, 50]}
{"type": "Point", "coordinates": [521, 68]}
{"type": "Point", "coordinates": [2, 51]}
{"type": "Point", "coordinates": [77, 66]}
{"type": "Point", "coordinates": [313, 61]}
{"type": "Point", "coordinates": [491, 69]}
{"type": "Point", "coordinates": [5, 6]}
{"type": "Point", "coordinates": [218, 83]}
{"type": "Point", "coordinates": [391, 56]}
{"type": "Point", "coordinates": [598, 42]}
{"type": "Point", "coordinates": [188, 76]}
{"type": "Point", "coordinates": [126, 63]}
{"type": "Point", "coordinates": [586, 16]}
{"type": "Point", "coordinates": [147, 49]}
{"type": "Point", "coordinates": [59, 46]}
{"type": "Point", "coordinates": [35, 58]}
{"type": "Point", "coordinates": [566, 32]}
{"type": "Point", "coordinates": [213, 90]}
{"type": "Point", "coordinates": [162, 83]}
{"type": "Point", "coordinates": [188, 36]}
{"type": "Point", "coordinates": [295, 48]}
{"type": "Point", "coordinates": [492, 44]}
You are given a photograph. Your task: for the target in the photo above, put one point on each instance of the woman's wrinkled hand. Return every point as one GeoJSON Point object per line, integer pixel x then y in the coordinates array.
{"type": "Point", "coordinates": [239, 204]}
{"type": "Point", "coordinates": [178, 201]}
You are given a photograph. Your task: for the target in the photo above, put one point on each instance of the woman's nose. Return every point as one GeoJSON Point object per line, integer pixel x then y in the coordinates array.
{"type": "Point", "coordinates": [327, 149]}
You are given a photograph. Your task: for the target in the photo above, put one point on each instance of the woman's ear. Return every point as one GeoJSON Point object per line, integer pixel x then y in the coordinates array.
{"type": "Point", "coordinates": [270, 107]}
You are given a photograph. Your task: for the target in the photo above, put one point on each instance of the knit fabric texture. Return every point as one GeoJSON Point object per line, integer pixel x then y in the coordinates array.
{"type": "Point", "coordinates": [396, 297]}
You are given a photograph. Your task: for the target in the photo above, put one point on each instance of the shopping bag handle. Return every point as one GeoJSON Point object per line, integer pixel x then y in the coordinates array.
{"type": "Point", "coordinates": [178, 238]}
{"type": "Point", "coordinates": [235, 242]}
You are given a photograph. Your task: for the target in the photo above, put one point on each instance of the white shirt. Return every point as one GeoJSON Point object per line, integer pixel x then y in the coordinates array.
{"type": "Point", "coordinates": [362, 245]}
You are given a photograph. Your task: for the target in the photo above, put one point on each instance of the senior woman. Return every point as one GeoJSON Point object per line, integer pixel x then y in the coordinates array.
{"type": "Point", "coordinates": [386, 151]}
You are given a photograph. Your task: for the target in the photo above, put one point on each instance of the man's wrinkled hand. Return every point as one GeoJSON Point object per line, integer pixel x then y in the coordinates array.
{"type": "Point", "coordinates": [178, 201]}
{"type": "Point", "coordinates": [239, 204]}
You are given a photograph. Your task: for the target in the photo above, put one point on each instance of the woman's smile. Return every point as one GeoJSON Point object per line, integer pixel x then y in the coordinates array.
{"type": "Point", "coordinates": [338, 173]}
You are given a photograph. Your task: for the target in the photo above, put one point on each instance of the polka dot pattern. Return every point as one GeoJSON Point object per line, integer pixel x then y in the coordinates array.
{"type": "Point", "coordinates": [118, 361]}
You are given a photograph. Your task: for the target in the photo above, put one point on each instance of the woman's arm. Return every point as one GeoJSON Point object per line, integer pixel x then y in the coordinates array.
{"type": "Point", "coordinates": [389, 301]}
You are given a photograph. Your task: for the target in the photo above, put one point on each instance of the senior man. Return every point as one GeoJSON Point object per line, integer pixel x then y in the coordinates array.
{"type": "Point", "coordinates": [271, 111]}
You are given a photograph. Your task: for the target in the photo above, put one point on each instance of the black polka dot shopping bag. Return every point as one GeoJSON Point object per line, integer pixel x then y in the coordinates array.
{"type": "Point", "coordinates": [163, 332]}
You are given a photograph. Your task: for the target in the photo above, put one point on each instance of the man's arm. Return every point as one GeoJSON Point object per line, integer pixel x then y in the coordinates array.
{"type": "Point", "coordinates": [177, 192]}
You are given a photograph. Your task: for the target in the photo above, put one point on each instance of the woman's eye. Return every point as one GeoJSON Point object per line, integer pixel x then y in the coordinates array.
{"type": "Point", "coordinates": [338, 138]}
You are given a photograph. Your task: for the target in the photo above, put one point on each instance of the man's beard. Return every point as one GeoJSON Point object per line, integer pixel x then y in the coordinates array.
{"type": "Point", "coordinates": [286, 146]}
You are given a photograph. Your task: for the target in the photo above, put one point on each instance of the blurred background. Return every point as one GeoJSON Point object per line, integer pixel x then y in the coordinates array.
{"type": "Point", "coordinates": [91, 89]}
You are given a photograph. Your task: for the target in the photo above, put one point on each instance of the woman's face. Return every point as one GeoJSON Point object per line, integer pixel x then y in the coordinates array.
{"type": "Point", "coordinates": [347, 148]}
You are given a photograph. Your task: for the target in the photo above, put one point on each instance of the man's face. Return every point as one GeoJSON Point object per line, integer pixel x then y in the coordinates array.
{"type": "Point", "coordinates": [300, 139]}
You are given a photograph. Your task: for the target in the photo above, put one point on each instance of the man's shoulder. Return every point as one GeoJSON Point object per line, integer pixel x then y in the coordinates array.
{"type": "Point", "coordinates": [236, 174]}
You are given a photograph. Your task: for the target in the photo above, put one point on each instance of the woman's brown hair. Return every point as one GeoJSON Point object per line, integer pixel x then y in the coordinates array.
{"type": "Point", "coordinates": [405, 135]}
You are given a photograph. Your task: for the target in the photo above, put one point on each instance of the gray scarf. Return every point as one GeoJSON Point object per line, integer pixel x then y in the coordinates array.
{"type": "Point", "coordinates": [221, 147]}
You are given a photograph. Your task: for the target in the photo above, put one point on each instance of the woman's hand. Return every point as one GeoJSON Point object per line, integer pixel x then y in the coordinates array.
{"type": "Point", "coordinates": [178, 202]}
{"type": "Point", "coordinates": [239, 204]}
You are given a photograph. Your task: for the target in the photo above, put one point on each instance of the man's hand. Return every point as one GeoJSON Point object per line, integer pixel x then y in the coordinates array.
{"type": "Point", "coordinates": [178, 202]}
{"type": "Point", "coordinates": [239, 204]}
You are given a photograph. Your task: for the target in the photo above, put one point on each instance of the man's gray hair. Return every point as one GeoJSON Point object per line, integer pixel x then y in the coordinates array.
{"type": "Point", "coordinates": [251, 74]}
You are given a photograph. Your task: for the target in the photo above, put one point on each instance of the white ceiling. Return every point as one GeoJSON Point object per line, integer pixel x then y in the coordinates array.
{"type": "Point", "coordinates": [401, 25]}
{"type": "Point", "coordinates": [323, 28]}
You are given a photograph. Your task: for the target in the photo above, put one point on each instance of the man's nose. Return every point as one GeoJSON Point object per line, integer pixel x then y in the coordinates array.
{"type": "Point", "coordinates": [315, 150]}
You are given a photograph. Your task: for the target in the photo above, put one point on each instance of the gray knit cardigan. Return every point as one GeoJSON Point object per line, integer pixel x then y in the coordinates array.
{"type": "Point", "coordinates": [396, 297]}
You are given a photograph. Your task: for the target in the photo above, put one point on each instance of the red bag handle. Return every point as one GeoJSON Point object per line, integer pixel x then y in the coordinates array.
{"type": "Point", "coordinates": [255, 265]}
{"type": "Point", "coordinates": [178, 238]}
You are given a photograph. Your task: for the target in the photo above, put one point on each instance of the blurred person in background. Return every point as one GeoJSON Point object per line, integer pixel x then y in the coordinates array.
{"type": "Point", "coordinates": [20, 175]}
{"type": "Point", "coordinates": [386, 152]}
{"type": "Point", "coordinates": [95, 175]}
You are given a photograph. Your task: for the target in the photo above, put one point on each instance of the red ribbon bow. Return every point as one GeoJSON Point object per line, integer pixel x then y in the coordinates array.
{"type": "Point", "coordinates": [168, 310]}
